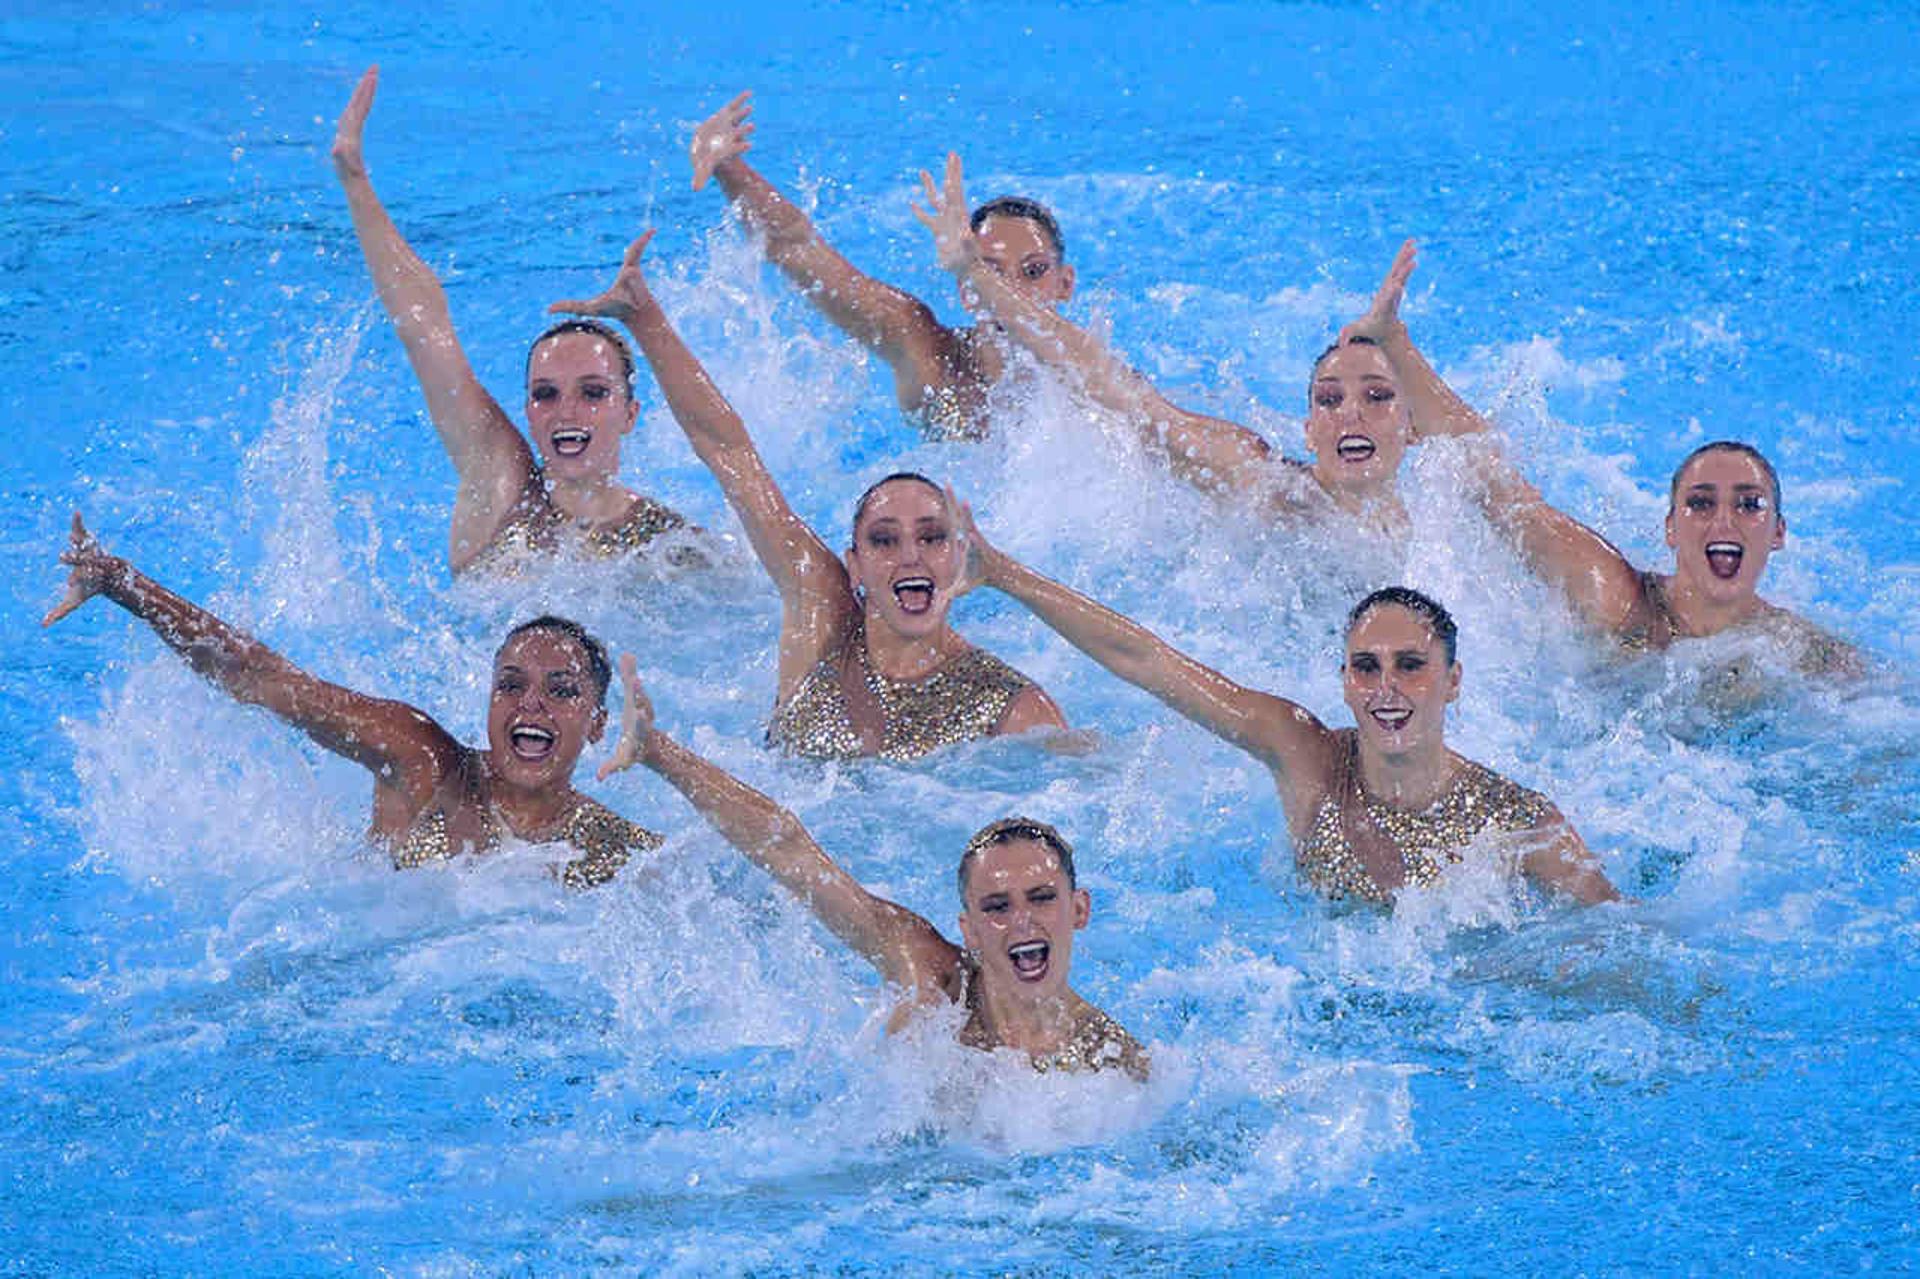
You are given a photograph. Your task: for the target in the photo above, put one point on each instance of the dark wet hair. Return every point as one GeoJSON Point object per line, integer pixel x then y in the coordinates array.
{"type": "Point", "coordinates": [1424, 607]}
{"type": "Point", "coordinates": [866, 498]}
{"type": "Point", "coordinates": [604, 332]}
{"type": "Point", "coordinates": [1321, 358]}
{"type": "Point", "coordinates": [599, 669]}
{"type": "Point", "coordinates": [1005, 831]}
{"type": "Point", "coordinates": [1726, 446]}
{"type": "Point", "coordinates": [1019, 206]}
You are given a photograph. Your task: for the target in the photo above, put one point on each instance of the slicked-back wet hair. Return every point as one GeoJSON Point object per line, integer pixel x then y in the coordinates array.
{"type": "Point", "coordinates": [866, 498]}
{"type": "Point", "coordinates": [599, 669]}
{"type": "Point", "coordinates": [579, 324]}
{"type": "Point", "coordinates": [1019, 206]}
{"type": "Point", "coordinates": [1005, 831]}
{"type": "Point", "coordinates": [1726, 446]}
{"type": "Point", "coordinates": [1314, 374]}
{"type": "Point", "coordinates": [1422, 606]}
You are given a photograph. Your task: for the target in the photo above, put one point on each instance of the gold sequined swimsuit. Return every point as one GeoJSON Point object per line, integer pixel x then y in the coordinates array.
{"type": "Point", "coordinates": [1098, 1043]}
{"type": "Point", "coordinates": [536, 527]}
{"type": "Point", "coordinates": [1428, 841]}
{"type": "Point", "coordinates": [603, 838]}
{"type": "Point", "coordinates": [962, 700]}
{"type": "Point", "coordinates": [1657, 626]}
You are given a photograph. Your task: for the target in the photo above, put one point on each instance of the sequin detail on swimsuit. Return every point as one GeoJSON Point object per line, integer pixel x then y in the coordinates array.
{"type": "Point", "coordinates": [962, 700]}
{"type": "Point", "coordinates": [1428, 840]}
{"type": "Point", "coordinates": [1098, 1043]}
{"type": "Point", "coordinates": [603, 838]}
{"type": "Point", "coordinates": [537, 528]}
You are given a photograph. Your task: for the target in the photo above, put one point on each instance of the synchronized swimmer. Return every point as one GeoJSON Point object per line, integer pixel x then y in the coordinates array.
{"type": "Point", "coordinates": [580, 403]}
{"type": "Point", "coordinates": [868, 664]}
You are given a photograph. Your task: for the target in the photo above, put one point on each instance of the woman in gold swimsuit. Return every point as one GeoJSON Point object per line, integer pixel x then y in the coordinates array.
{"type": "Point", "coordinates": [579, 404]}
{"type": "Point", "coordinates": [1020, 907]}
{"type": "Point", "coordinates": [1724, 522]}
{"type": "Point", "coordinates": [1371, 808]}
{"type": "Point", "coordinates": [433, 797]}
{"type": "Point", "coordinates": [868, 663]}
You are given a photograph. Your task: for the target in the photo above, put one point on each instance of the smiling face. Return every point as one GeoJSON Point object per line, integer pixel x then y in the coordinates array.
{"type": "Point", "coordinates": [544, 710]}
{"type": "Point", "coordinates": [1397, 682]}
{"type": "Point", "coordinates": [578, 406]}
{"type": "Point", "coordinates": [1022, 253]}
{"type": "Point", "coordinates": [1021, 913]}
{"type": "Point", "coordinates": [1723, 525]}
{"type": "Point", "coordinates": [904, 552]}
{"type": "Point", "coordinates": [1357, 424]}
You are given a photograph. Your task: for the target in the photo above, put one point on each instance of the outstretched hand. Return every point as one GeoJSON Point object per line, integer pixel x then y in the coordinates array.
{"type": "Point", "coordinates": [636, 723]}
{"type": "Point", "coordinates": [93, 571]}
{"type": "Point", "coordinates": [624, 297]}
{"type": "Point", "coordinates": [725, 135]}
{"type": "Point", "coordinates": [348, 159]}
{"type": "Point", "coordinates": [955, 246]}
{"type": "Point", "coordinates": [1382, 320]}
{"type": "Point", "coordinates": [978, 556]}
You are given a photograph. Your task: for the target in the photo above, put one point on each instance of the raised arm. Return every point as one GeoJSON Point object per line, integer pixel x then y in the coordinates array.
{"type": "Point", "coordinates": [1595, 577]}
{"type": "Point", "coordinates": [403, 747]}
{"type": "Point", "coordinates": [488, 452]}
{"type": "Point", "coordinates": [1284, 736]}
{"type": "Point", "coordinates": [908, 951]}
{"type": "Point", "coordinates": [1208, 452]}
{"type": "Point", "coordinates": [812, 581]}
{"type": "Point", "coordinates": [894, 324]}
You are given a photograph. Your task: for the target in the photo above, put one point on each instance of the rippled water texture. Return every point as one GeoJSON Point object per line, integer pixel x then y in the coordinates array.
{"type": "Point", "coordinates": [232, 1041]}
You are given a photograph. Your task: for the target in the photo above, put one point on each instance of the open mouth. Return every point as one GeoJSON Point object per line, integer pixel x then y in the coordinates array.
{"type": "Point", "coordinates": [1723, 559]}
{"type": "Point", "coordinates": [914, 594]}
{"type": "Point", "coordinates": [571, 441]}
{"type": "Point", "coordinates": [529, 742]}
{"type": "Point", "coordinates": [1393, 720]}
{"type": "Point", "coordinates": [1354, 448]}
{"type": "Point", "coordinates": [1029, 960]}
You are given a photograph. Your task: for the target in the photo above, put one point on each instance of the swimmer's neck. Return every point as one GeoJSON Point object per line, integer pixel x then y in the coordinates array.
{"type": "Point", "coordinates": [1410, 782]}
{"type": "Point", "coordinates": [908, 658]}
{"type": "Point", "coordinates": [1700, 615]}
{"type": "Point", "coordinates": [531, 813]}
{"type": "Point", "coordinates": [1038, 1025]}
{"type": "Point", "coordinates": [1377, 506]}
{"type": "Point", "coordinates": [588, 500]}
{"type": "Point", "coordinates": [985, 346]}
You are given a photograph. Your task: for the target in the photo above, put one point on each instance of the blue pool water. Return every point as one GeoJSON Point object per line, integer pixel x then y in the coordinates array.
{"type": "Point", "coordinates": [232, 1041]}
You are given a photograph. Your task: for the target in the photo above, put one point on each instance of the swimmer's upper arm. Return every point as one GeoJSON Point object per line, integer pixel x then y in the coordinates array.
{"type": "Point", "coordinates": [1030, 708]}
{"type": "Point", "coordinates": [1560, 860]}
{"type": "Point", "coordinates": [1598, 581]}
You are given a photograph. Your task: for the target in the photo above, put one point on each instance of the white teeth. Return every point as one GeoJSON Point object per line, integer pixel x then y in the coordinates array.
{"type": "Point", "coordinates": [1393, 719]}
{"type": "Point", "coordinates": [913, 584]}
{"type": "Point", "coordinates": [1355, 447]}
{"type": "Point", "coordinates": [529, 732]}
{"type": "Point", "coordinates": [1028, 957]}
{"type": "Point", "coordinates": [570, 439]}
{"type": "Point", "coordinates": [1724, 548]}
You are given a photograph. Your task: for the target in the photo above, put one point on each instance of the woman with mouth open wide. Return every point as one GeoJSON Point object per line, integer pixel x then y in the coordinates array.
{"type": "Point", "coordinates": [1724, 521]}
{"type": "Point", "coordinates": [868, 664]}
{"type": "Point", "coordinates": [579, 404]}
{"type": "Point", "coordinates": [1358, 426]}
{"type": "Point", "coordinates": [1019, 909]}
{"type": "Point", "coordinates": [432, 797]}
{"type": "Point", "coordinates": [1370, 808]}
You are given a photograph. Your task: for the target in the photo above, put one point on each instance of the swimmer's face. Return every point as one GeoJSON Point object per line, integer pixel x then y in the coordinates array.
{"type": "Point", "coordinates": [1021, 253]}
{"type": "Point", "coordinates": [905, 556]}
{"type": "Point", "coordinates": [1723, 526]}
{"type": "Point", "coordinates": [544, 710]}
{"type": "Point", "coordinates": [1357, 424]}
{"type": "Point", "coordinates": [1397, 682]}
{"type": "Point", "coordinates": [578, 406]}
{"type": "Point", "coordinates": [1020, 917]}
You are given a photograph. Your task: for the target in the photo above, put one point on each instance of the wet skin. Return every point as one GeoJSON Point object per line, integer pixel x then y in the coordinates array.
{"type": "Point", "coordinates": [1723, 527]}
{"type": "Point", "coordinates": [575, 385]}
{"type": "Point", "coordinates": [543, 712]}
{"type": "Point", "coordinates": [1397, 682]}
{"type": "Point", "coordinates": [1020, 904]}
{"type": "Point", "coordinates": [905, 556]}
{"type": "Point", "coordinates": [1355, 402]}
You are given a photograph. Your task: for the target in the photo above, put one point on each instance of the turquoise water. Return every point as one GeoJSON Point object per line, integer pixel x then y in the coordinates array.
{"type": "Point", "coordinates": [235, 1043]}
